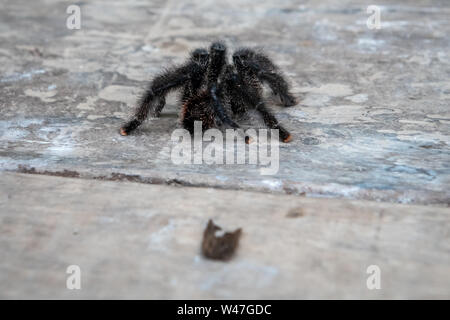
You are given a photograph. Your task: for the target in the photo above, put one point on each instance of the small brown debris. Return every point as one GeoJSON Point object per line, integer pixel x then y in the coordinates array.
{"type": "Point", "coordinates": [219, 247]}
{"type": "Point", "coordinates": [295, 213]}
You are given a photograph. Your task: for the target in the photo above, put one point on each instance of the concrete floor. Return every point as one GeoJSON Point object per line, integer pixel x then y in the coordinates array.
{"type": "Point", "coordinates": [372, 121]}
{"type": "Point", "coordinates": [142, 241]}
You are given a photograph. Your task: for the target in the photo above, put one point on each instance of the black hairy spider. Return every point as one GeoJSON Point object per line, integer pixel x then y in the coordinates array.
{"type": "Point", "coordinates": [209, 83]}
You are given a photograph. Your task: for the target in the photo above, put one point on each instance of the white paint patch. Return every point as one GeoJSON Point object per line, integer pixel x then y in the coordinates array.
{"type": "Point", "coordinates": [88, 105]}
{"type": "Point", "coordinates": [296, 113]}
{"type": "Point", "coordinates": [22, 76]}
{"type": "Point", "coordinates": [222, 178]}
{"type": "Point", "coordinates": [64, 143]}
{"type": "Point", "coordinates": [418, 122]}
{"type": "Point", "coordinates": [272, 184]}
{"type": "Point", "coordinates": [59, 139]}
{"type": "Point", "coordinates": [339, 114]}
{"type": "Point", "coordinates": [445, 116]}
{"type": "Point", "coordinates": [43, 95]}
{"type": "Point", "coordinates": [119, 93]}
{"type": "Point", "coordinates": [15, 129]}
{"type": "Point", "coordinates": [420, 136]}
{"type": "Point", "coordinates": [330, 89]}
{"type": "Point", "coordinates": [315, 100]}
{"type": "Point", "coordinates": [94, 116]}
{"type": "Point", "coordinates": [149, 48]}
{"type": "Point", "coordinates": [358, 98]}
{"type": "Point", "coordinates": [28, 122]}
{"type": "Point", "coordinates": [14, 134]}
{"type": "Point", "coordinates": [370, 44]}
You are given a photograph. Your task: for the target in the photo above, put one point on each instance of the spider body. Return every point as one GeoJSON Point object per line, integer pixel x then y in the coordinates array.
{"type": "Point", "coordinates": [209, 82]}
{"type": "Point", "coordinates": [198, 108]}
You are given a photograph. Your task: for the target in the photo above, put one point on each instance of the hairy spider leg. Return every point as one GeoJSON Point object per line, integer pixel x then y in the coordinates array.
{"type": "Point", "coordinates": [266, 72]}
{"type": "Point", "coordinates": [186, 75]}
{"type": "Point", "coordinates": [231, 80]}
{"type": "Point", "coordinates": [198, 79]}
{"type": "Point", "coordinates": [249, 92]}
{"type": "Point", "coordinates": [217, 62]}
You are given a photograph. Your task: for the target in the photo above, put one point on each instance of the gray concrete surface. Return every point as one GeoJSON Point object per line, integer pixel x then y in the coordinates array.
{"type": "Point", "coordinates": [135, 240]}
{"type": "Point", "coordinates": [372, 122]}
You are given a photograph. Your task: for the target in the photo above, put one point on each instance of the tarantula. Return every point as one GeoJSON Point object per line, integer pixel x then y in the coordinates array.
{"type": "Point", "coordinates": [209, 83]}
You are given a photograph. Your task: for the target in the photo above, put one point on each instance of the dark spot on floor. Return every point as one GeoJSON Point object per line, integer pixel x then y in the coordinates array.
{"type": "Point", "coordinates": [219, 247]}
{"type": "Point", "coordinates": [295, 213]}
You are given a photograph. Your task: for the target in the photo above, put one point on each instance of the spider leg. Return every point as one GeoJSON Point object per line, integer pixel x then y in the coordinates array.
{"type": "Point", "coordinates": [160, 106]}
{"type": "Point", "coordinates": [192, 88]}
{"type": "Point", "coordinates": [216, 63]}
{"type": "Point", "coordinates": [231, 81]}
{"type": "Point", "coordinates": [266, 71]}
{"type": "Point", "coordinates": [219, 110]}
{"type": "Point", "coordinates": [159, 87]}
{"type": "Point", "coordinates": [190, 75]}
{"type": "Point", "coordinates": [279, 86]}
{"type": "Point", "coordinates": [248, 92]}
{"type": "Point", "coordinates": [252, 97]}
{"type": "Point", "coordinates": [272, 122]}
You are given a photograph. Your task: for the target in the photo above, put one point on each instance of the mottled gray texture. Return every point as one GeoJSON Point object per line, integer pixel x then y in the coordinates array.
{"type": "Point", "coordinates": [372, 122]}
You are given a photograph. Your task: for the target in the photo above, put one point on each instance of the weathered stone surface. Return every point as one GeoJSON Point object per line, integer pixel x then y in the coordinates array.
{"type": "Point", "coordinates": [143, 241]}
{"type": "Point", "coordinates": [372, 122]}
